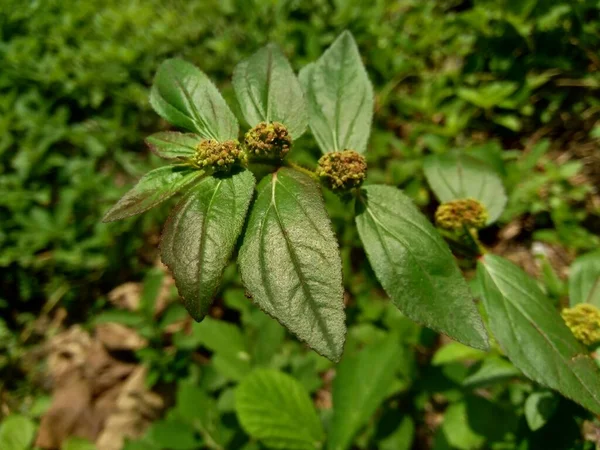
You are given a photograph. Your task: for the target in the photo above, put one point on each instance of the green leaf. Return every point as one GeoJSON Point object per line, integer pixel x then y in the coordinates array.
{"type": "Point", "coordinates": [266, 336]}
{"type": "Point", "coordinates": [221, 337]}
{"type": "Point", "coordinates": [534, 336]}
{"type": "Point", "coordinates": [477, 423]}
{"type": "Point", "coordinates": [268, 91]}
{"type": "Point", "coordinates": [539, 408]}
{"type": "Point", "coordinates": [584, 280]}
{"type": "Point", "coordinates": [231, 358]}
{"type": "Point", "coordinates": [290, 262]}
{"type": "Point", "coordinates": [77, 443]}
{"type": "Point", "coordinates": [173, 434]}
{"type": "Point", "coordinates": [183, 95]}
{"type": "Point", "coordinates": [361, 384]}
{"type": "Point", "coordinates": [510, 121]}
{"type": "Point", "coordinates": [16, 433]}
{"type": "Point", "coordinates": [415, 266]}
{"type": "Point", "coordinates": [458, 430]}
{"type": "Point", "coordinates": [340, 97]}
{"type": "Point", "coordinates": [455, 176]}
{"type": "Point", "coordinates": [200, 235]}
{"type": "Point", "coordinates": [493, 369]}
{"type": "Point", "coordinates": [173, 145]}
{"type": "Point", "coordinates": [402, 438]}
{"type": "Point", "coordinates": [456, 352]}
{"type": "Point", "coordinates": [140, 445]}
{"type": "Point", "coordinates": [198, 408]}
{"type": "Point", "coordinates": [275, 409]}
{"type": "Point", "coordinates": [153, 188]}
{"type": "Point", "coordinates": [489, 95]}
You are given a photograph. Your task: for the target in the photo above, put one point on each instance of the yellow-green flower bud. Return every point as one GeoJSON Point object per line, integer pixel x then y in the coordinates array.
{"type": "Point", "coordinates": [220, 156]}
{"type": "Point", "coordinates": [584, 321]}
{"type": "Point", "coordinates": [268, 140]}
{"type": "Point", "coordinates": [458, 214]}
{"type": "Point", "coordinates": [342, 171]}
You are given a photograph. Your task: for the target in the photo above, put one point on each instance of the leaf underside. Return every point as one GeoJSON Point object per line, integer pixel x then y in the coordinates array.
{"type": "Point", "coordinates": [290, 263]}
{"type": "Point", "coordinates": [200, 235]}
{"type": "Point", "coordinates": [268, 91]}
{"type": "Point", "coordinates": [534, 336]}
{"type": "Point", "coordinates": [173, 145]}
{"type": "Point", "coordinates": [415, 266]}
{"type": "Point", "coordinates": [153, 188]}
{"type": "Point", "coordinates": [340, 97]}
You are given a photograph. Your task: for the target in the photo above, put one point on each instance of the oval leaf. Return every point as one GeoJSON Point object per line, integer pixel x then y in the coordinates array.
{"type": "Point", "coordinates": [533, 335]}
{"type": "Point", "coordinates": [584, 280]}
{"type": "Point", "coordinates": [268, 91]}
{"type": "Point", "coordinates": [415, 266]}
{"type": "Point", "coordinates": [173, 145]}
{"type": "Point", "coordinates": [153, 188]}
{"type": "Point", "coordinates": [274, 408]}
{"type": "Point", "coordinates": [183, 95]}
{"type": "Point", "coordinates": [200, 235]}
{"type": "Point", "coordinates": [455, 176]}
{"type": "Point", "coordinates": [361, 384]}
{"type": "Point", "coordinates": [290, 261]}
{"type": "Point", "coordinates": [16, 432]}
{"type": "Point", "coordinates": [340, 97]}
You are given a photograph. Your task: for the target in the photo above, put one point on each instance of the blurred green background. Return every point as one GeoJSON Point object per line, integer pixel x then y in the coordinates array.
{"type": "Point", "coordinates": [514, 81]}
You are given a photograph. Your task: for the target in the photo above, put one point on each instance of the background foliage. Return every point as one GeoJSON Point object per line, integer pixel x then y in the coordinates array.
{"type": "Point", "coordinates": [515, 83]}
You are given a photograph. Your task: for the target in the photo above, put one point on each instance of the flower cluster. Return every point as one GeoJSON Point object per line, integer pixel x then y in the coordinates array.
{"type": "Point", "coordinates": [459, 214]}
{"type": "Point", "coordinates": [584, 321]}
{"type": "Point", "coordinates": [219, 155]}
{"type": "Point", "coordinates": [268, 141]}
{"type": "Point", "coordinates": [342, 171]}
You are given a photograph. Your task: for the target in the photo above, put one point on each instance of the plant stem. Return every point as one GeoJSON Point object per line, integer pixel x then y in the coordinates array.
{"type": "Point", "coordinates": [299, 168]}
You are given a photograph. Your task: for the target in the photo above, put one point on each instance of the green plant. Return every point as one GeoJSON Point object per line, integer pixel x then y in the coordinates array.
{"type": "Point", "coordinates": [477, 76]}
{"type": "Point", "coordinates": [257, 384]}
{"type": "Point", "coordinates": [289, 259]}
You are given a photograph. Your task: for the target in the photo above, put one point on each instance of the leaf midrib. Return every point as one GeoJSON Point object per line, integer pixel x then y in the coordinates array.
{"type": "Point", "coordinates": [402, 242]}
{"type": "Point", "coordinates": [296, 264]}
{"type": "Point", "coordinates": [192, 104]}
{"type": "Point", "coordinates": [592, 293]}
{"type": "Point", "coordinates": [341, 71]}
{"type": "Point", "coordinates": [270, 405]}
{"type": "Point", "coordinates": [533, 324]}
{"type": "Point", "coordinates": [245, 68]}
{"type": "Point", "coordinates": [316, 110]}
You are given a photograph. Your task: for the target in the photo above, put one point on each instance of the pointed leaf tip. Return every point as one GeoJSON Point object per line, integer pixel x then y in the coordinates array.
{"type": "Point", "coordinates": [533, 335]}
{"type": "Point", "coordinates": [152, 189]}
{"type": "Point", "coordinates": [415, 266]}
{"type": "Point", "coordinates": [290, 263]}
{"type": "Point", "coordinates": [340, 97]}
{"type": "Point", "coordinates": [268, 91]}
{"type": "Point", "coordinates": [199, 237]}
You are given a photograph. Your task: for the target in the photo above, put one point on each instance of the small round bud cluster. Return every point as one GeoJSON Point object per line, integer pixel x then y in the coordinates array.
{"type": "Point", "coordinates": [218, 155]}
{"type": "Point", "coordinates": [458, 214]}
{"type": "Point", "coordinates": [268, 140]}
{"type": "Point", "coordinates": [584, 322]}
{"type": "Point", "coordinates": [342, 171]}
